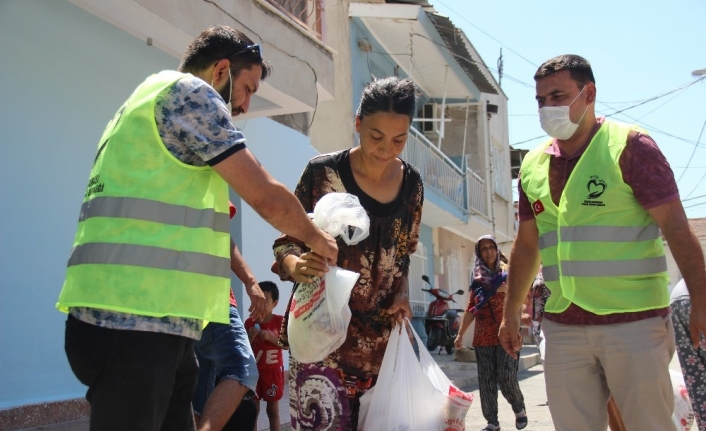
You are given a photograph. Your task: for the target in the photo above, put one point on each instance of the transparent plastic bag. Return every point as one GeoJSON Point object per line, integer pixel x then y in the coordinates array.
{"type": "Point", "coordinates": [319, 314]}
{"type": "Point", "coordinates": [412, 394]}
{"type": "Point", "coordinates": [341, 214]}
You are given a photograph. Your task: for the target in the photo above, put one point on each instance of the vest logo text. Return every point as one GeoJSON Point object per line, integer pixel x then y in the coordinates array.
{"type": "Point", "coordinates": [94, 186]}
{"type": "Point", "coordinates": [596, 187]}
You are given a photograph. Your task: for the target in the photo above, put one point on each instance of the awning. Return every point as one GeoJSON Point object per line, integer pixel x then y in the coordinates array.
{"type": "Point", "coordinates": [426, 46]}
{"type": "Point", "coordinates": [164, 31]}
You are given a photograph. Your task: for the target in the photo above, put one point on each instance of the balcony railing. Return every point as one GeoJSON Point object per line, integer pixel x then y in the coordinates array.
{"type": "Point", "coordinates": [477, 197]}
{"type": "Point", "coordinates": [466, 190]}
{"type": "Point", "coordinates": [437, 170]}
{"type": "Point", "coordinates": [307, 13]}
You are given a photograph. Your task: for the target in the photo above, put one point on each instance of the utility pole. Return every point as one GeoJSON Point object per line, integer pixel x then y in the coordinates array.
{"type": "Point", "coordinates": [500, 69]}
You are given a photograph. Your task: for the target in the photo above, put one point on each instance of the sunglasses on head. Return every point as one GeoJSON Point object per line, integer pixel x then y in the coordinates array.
{"type": "Point", "coordinates": [254, 49]}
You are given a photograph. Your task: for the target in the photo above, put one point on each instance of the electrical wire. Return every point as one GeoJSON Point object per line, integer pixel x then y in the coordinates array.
{"type": "Point", "coordinates": [695, 197]}
{"type": "Point", "coordinates": [683, 87]}
{"type": "Point", "coordinates": [695, 205]}
{"type": "Point", "coordinates": [696, 186]}
{"type": "Point", "coordinates": [485, 33]}
{"type": "Point", "coordinates": [692, 153]}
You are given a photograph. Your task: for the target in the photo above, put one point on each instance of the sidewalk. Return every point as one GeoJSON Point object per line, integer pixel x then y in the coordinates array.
{"type": "Point", "coordinates": [462, 374]}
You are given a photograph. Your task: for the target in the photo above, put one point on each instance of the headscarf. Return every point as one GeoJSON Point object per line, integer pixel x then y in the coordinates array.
{"type": "Point", "coordinates": [486, 281]}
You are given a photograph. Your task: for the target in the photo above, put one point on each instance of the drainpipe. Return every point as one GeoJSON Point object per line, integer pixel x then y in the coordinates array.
{"type": "Point", "coordinates": [491, 182]}
{"type": "Point", "coordinates": [464, 165]}
{"type": "Point", "coordinates": [443, 109]}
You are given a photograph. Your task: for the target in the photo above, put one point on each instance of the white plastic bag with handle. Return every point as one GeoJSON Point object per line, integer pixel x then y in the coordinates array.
{"type": "Point", "coordinates": [412, 394]}
{"type": "Point", "coordinates": [683, 415]}
{"type": "Point", "coordinates": [319, 314]}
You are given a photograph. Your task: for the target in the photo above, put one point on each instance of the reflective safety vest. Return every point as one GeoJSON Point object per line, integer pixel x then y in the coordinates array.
{"type": "Point", "coordinates": [153, 235]}
{"type": "Point", "coordinates": [600, 249]}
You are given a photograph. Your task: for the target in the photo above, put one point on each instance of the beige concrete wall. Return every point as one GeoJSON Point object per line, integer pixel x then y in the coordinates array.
{"type": "Point", "coordinates": [332, 128]}
{"type": "Point", "coordinates": [298, 58]}
{"type": "Point", "coordinates": [452, 144]}
{"type": "Point", "coordinates": [448, 241]}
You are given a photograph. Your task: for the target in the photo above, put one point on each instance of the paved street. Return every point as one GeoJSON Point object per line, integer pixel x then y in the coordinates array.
{"type": "Point", "coordinates": [532, 385]}
{"type": "Point", "coordinates": [465, 376]}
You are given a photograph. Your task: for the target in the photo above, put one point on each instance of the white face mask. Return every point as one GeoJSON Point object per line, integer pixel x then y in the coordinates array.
{"type": "Point", "coordinates": [229, 105]}
{"type": "Point", "coordinates": [555, 120]}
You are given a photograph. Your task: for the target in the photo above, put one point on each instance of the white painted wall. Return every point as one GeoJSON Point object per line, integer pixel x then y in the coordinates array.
{"type": "Point", "coordinates": [64, 74]}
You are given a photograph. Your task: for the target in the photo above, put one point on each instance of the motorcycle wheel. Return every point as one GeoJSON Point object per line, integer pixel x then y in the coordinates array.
{"type": "Point", "coordinates": [434, 338]}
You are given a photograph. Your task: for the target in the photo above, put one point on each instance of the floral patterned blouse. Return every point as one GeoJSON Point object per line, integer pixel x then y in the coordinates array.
{"type": "Point", "coordinates": [382, 259]}
{"type": "Point", "coordinates": [487, 319]}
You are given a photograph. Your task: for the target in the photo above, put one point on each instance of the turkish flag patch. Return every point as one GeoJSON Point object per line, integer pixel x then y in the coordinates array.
{"type": "Point", "coordinates": [538, 208]}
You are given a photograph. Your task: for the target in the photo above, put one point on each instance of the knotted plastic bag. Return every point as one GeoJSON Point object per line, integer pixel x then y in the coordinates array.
{"type": "Point", "coordinates": [319, 314]}
{"type": "Point", "coordinates": [412, 394]}
{"type": "Point", "coordinates": [341, 214]}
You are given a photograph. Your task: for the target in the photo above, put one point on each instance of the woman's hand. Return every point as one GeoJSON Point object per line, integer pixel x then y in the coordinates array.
{"type": "Point", "coordinates": [305, 268]}
{"type": "Point", "coordinates": [400, 307]}
{"type": "Point", "coordinates": [502, 288]}
{"type": "Point", "coordinates": [458, 342]}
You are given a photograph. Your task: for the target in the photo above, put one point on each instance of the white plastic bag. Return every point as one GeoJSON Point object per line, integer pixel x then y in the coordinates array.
{"type": "Point", "coordinates": [412, 394]}
{"type": "Point", "coordinates": [342, 214]}
{"type": "Point", "coordinates": [683, 416]}
{"type": "Point", "coordinates": [319, 314]}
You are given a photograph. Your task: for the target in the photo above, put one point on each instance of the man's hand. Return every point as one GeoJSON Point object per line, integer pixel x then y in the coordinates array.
{"type": "Point", "coordinates": [258, 302]}
{"type": "Point", "coordinates": [509, 335]}
{"type": "Point", "coordinates": [400, 307]}
{"type": "Point", "coordinates": [697, 321]}
{"type": "Point", "coordinates": [324, 245]}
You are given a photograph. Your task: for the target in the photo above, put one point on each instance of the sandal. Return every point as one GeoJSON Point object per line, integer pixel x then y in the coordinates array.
{"type": "Point", "coordinates": [491, 427]}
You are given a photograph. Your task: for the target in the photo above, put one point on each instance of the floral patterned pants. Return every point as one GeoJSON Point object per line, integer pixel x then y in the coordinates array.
{"type": "Point", "coordinates": [693, 361]}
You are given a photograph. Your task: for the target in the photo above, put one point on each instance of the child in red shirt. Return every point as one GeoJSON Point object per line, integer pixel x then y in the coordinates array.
{"type": "Point", "coordinates": [263, 338]}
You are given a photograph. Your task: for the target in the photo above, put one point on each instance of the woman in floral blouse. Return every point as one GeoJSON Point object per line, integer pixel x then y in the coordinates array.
{"type": "Point", "coordinates": [325, 395]}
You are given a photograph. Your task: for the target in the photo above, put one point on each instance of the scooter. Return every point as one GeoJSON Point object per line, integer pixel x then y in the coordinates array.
{"type": "Point", "coordinates": [441, 322]}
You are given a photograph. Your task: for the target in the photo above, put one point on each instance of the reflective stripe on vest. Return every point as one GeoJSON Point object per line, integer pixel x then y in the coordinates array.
{"type": "Point", "coordinates": [153, 235]}
{"type": "Point", "coordinates": [605, 268]}
{"type": "Point", "coordinates": [150, 257]}
{"type": "Point", "coordinates": [600, 249]}
{"type": "Point", "coordinates": [600, 233]}
{"type": "Point", "coordinates": [154, 211]}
